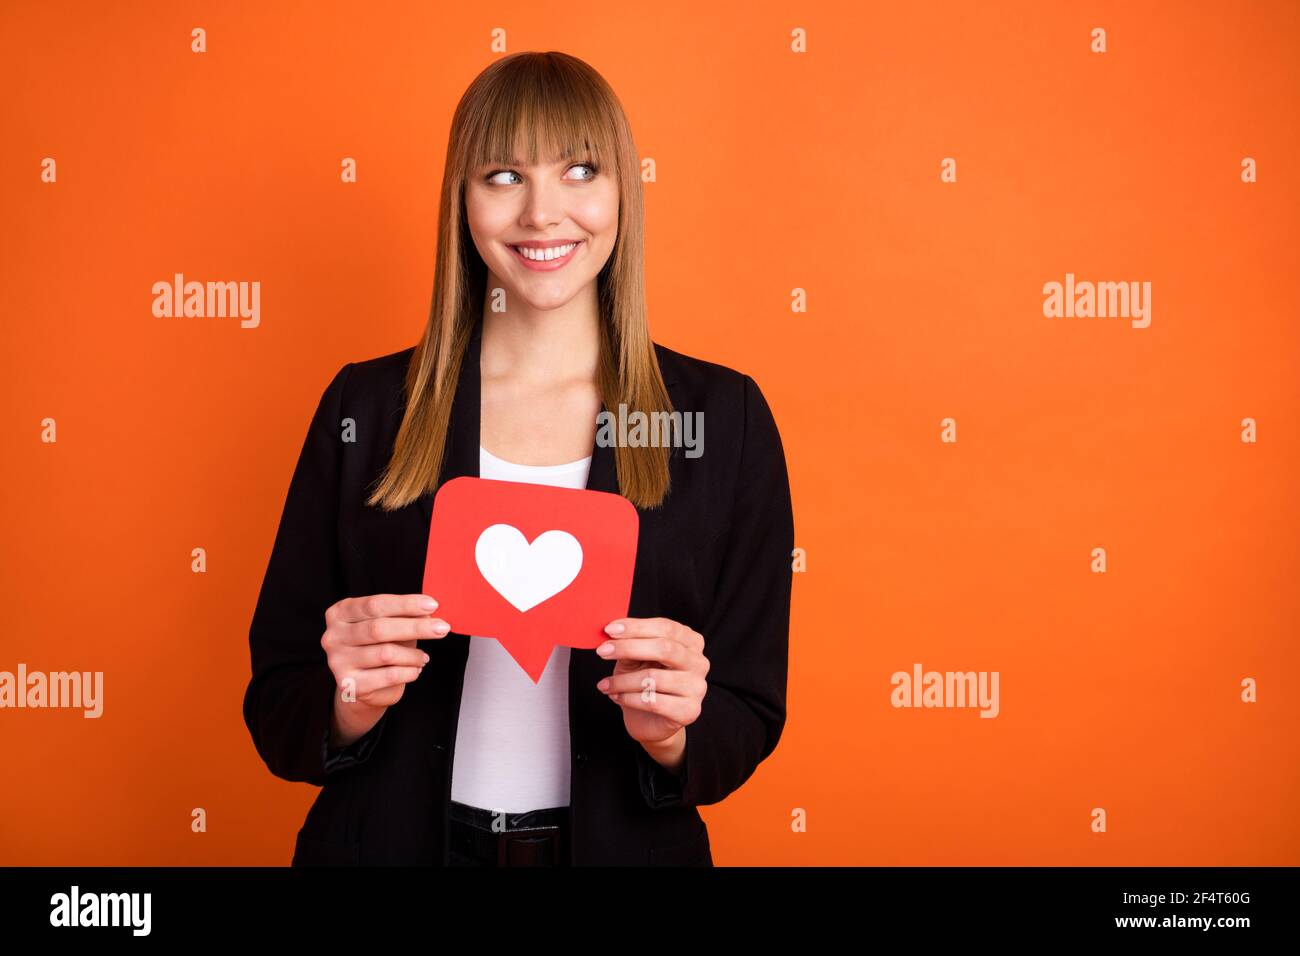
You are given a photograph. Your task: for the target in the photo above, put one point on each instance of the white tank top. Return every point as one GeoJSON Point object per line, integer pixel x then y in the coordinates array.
{"type": "Point", "coordinates": [512, 740]}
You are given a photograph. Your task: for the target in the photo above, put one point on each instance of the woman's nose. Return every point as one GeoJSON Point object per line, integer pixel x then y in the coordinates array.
{"type": "Point", "coordinates": [542, 205]}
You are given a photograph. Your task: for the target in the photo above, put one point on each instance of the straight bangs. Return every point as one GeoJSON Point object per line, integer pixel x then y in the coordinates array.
{"type": "Point", "coordinates": [544, 114]}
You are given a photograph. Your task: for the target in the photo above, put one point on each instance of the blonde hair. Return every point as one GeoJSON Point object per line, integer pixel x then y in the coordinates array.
{"type": "Point", "coordinates": [498, 120]}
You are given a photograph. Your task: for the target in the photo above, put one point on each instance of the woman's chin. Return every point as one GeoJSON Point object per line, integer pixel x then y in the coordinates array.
{"type": "Point", "coordinates": [542, 299]}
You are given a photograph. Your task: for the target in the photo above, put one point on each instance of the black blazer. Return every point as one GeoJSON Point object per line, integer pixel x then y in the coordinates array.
{"type": "Point", "coordinates": [716, 556]}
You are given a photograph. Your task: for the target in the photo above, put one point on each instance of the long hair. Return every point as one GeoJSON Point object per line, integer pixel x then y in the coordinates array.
{"type": "Point", "coordinates": [498, 119]}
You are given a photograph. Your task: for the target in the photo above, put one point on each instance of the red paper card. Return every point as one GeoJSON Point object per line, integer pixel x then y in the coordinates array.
{"type": "Point", "coordinates": [531, 565]}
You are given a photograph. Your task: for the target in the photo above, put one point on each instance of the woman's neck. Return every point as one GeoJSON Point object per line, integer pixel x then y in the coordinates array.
{"type": "Point", "coordinates": [547, 347]}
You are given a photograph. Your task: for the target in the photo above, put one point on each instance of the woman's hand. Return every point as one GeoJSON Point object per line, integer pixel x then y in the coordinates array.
{"type": "Point", "coordinates": [658, 680]}
{"type": "Point", "coordinates": [370, 641]}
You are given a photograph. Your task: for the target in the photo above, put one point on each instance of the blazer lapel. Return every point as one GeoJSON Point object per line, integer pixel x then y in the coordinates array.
{"type": "Point", "coordinates": [460, 458]}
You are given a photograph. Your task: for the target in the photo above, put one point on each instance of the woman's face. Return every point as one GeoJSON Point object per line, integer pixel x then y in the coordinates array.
{"type": "Point", "coordinates": [544, 231]}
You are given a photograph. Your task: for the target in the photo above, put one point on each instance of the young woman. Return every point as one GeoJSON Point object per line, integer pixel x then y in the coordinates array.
{"type": "Point", "coordinates": [432, 746]}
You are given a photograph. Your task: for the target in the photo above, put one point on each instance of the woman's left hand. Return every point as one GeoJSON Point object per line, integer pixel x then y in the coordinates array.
{"type": "Point", "coordinates": [658, 679]}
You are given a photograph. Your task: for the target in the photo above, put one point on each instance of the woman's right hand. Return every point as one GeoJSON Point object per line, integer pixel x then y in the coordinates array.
{"type": "Point", "coordinates": [371, 640]}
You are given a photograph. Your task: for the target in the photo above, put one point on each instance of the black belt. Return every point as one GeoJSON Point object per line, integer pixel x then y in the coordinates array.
{"type": "Point", "coordinates": [530, 838]}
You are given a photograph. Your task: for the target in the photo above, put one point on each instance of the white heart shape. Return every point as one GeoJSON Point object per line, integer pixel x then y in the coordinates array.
{"type": "Point", "coordinates": [527, 574]}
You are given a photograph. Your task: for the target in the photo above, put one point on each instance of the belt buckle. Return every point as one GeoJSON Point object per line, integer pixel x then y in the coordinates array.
{"type": "Point", "coordinates": [539, 846]}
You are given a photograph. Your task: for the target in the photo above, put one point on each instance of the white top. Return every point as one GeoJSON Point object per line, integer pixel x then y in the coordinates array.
{"type": "Point", "coordinates": [512, 741]}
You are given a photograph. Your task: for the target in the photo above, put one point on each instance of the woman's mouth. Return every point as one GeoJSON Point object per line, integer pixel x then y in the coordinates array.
{"type": "Point", "coordinates": [545, 260]}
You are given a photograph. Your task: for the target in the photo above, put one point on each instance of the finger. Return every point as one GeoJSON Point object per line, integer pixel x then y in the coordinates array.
{"type": "Point", "coordinates": [665, 650]}
{"type": "Point", "coordinates": [379, 630]}
{"type": "Point", "coordinates": [351, 610]}
{"type": "Point", "coordinates": [655, 627]}
{"type": "Point", "coordinates": [386, 655]}
{"type": "Point", "coordinates": [377, 678]}
{"type": "Point", "coordinates": [657, 681]}
{"type": "Point", "coordinates": [680, 710]}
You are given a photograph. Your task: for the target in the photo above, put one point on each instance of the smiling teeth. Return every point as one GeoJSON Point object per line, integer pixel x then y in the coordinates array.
{"type": "Point", "coordinates": [544, 255]}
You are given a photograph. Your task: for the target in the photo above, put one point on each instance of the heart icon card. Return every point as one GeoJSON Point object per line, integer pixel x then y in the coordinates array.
{"type": "Point", "coordinates": [530, 565]}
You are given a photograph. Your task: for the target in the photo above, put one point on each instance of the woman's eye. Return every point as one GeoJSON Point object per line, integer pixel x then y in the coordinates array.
{"type": "Point", "coordinates": [495, 179]}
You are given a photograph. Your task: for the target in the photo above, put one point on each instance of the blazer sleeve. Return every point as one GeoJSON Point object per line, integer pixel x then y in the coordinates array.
{"type": "Point", "coordinates": [747, 635]}
{"type": "Point", "coordinates": [290, 697]}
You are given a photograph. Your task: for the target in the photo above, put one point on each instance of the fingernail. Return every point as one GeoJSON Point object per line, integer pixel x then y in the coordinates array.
{"type": "Point", "coordinates": [604, 684]}
{"type": "Point", "coordinates": [614, 628]}
{"type": "Point", "coordinates": [605, 649]}
{"type": "Point", "coordinates": [442, 627]}
{"type": "Point", "coordinates": [426, 658]}
{"type": "Point", "coordinates": [427, 603]}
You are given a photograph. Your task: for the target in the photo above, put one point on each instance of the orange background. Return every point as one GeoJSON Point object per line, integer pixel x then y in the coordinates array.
{"type": "Point", "coordinates": [775, 171]}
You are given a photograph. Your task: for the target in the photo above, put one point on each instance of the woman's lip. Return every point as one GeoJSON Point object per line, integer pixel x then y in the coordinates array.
{"type": "Point", "coordinates": [548, 265]}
